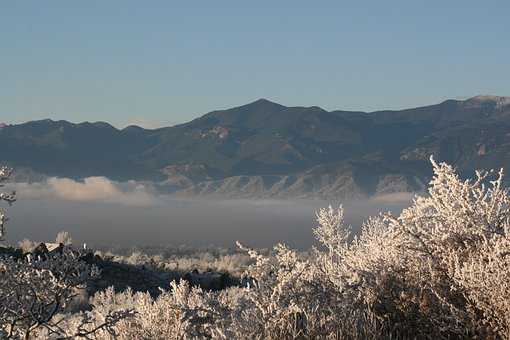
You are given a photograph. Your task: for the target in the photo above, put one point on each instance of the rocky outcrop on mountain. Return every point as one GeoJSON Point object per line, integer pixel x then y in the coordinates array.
{"type": "Point", "coordinates": [314, 184]}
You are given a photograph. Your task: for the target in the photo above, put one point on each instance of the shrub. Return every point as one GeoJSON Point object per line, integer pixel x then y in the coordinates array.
{"type": "Point", "coordinates": [440, 269]}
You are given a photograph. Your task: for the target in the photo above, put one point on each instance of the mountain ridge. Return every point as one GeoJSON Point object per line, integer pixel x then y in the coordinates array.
{"type": "Point", "coordinates": [480, 98]}
{"type": "Point", "coordinates": [265, 149]}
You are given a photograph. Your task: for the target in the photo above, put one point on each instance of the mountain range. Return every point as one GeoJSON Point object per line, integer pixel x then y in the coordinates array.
{"type": "Point", "coordinates": [264, 149]}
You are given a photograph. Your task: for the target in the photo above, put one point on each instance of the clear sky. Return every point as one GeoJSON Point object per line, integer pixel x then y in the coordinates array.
{"type": "Point", "coordinates": [165, 62]}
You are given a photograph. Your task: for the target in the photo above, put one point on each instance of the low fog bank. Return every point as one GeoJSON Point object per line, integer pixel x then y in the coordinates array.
{"type": "Point", "coordinates": [105, 213]}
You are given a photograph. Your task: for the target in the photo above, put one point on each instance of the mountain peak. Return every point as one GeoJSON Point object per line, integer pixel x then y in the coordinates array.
{"type": "Point", "coordinates": [263, 102]}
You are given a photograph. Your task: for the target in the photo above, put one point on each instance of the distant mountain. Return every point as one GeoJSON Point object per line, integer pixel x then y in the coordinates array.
{"type": "Point", "coordinates": [264, 149]}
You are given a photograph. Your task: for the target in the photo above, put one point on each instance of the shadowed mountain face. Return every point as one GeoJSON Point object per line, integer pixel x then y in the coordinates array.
{"type": "Point", "coordinates": [264, 149]}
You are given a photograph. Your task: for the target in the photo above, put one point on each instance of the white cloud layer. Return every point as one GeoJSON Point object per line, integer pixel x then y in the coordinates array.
{"type": "Point", "coordinates": [91, 189]}
{"type": "Point", "coordinates": [133, 193]}
{"type": "Point", "coordinates": [101, 211]}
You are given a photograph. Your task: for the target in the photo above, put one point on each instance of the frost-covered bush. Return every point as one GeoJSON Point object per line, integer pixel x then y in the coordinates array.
{"type": "Point", "coordinates": [64, 238]}
{"type": "Point", "coordinates": [33, 292]}
{"type": "Point", "coordinates": [458, 237]}
{"type": "Point", "coordinates": [181, 259]}
{"type": "Point", "coordinates": [35, 288]}
{"type": "Point", "coordinates": [181, 313]}
{"type": "Point", "coordinates": [5, 173]}
{"type": "Point", "coordinates": [440, 269]}
{"type": "Point", "coordinates": [27, 245]}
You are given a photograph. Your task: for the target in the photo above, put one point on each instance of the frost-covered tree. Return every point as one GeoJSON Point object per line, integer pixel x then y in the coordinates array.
{"type": "Point", "coordinates": [36, 294]}
{"type": "Point", "coordinates": [459, 238]}
{"type": "Point", "coordinates": [440, 269]}
{"type": "Point", "coordinates": [36, 290]}
{"type": "Point", "coordinates": [5, 173]}
{"type": "Point", "coordinates": [64, 238]}
{"type": "Point", "coordinates": [33, 291]}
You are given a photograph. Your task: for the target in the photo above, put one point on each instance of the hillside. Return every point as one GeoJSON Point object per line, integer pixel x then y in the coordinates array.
{"type": "Point", "coordinates": [264, 149]}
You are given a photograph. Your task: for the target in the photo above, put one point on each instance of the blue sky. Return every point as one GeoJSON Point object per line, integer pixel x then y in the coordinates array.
{"type": "Point", "coordinates": [163, 62]}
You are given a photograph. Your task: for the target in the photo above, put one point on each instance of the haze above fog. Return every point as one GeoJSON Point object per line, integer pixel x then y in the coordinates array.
{"type": "Point", "coordinates": [102, 212]}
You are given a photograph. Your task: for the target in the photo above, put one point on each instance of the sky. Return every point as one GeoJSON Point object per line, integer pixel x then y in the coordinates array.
{"type": "Point", "coordinates": [158, 63]}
